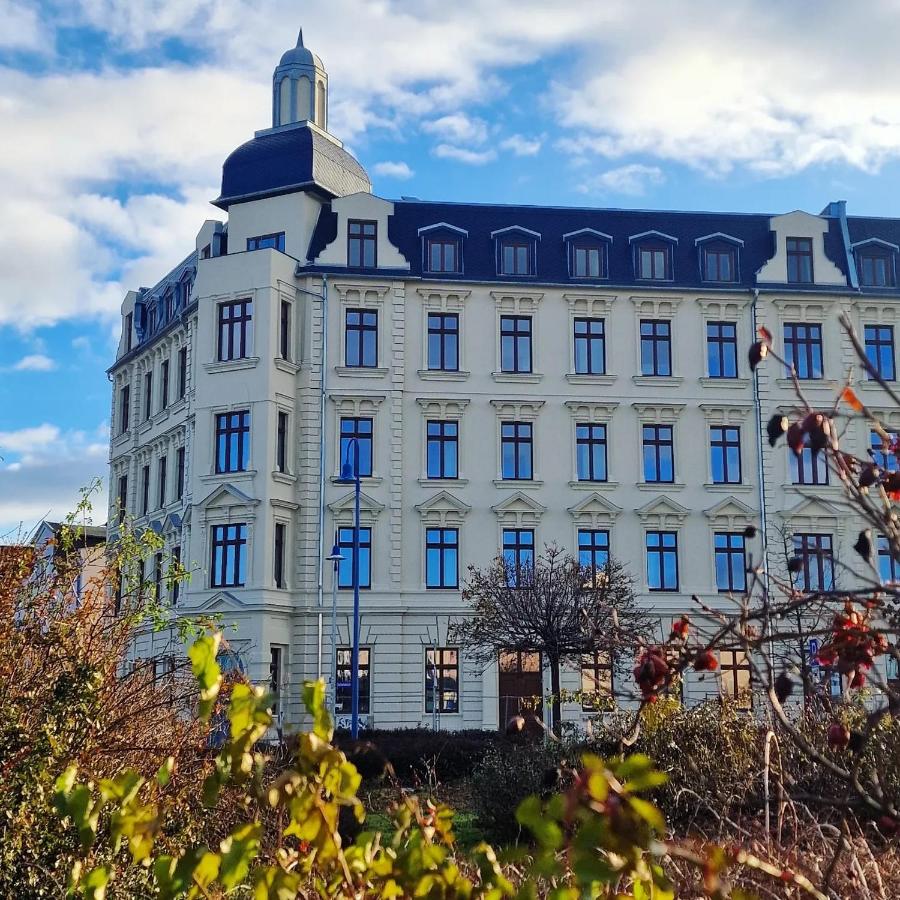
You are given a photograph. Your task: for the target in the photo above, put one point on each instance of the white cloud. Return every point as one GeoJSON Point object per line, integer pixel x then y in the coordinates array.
{"type": "Point", "coordinates": [389, 169]}
{"type": "Point", "coordinates": [27, 441]}
{"type": "Point", "coordinates": [458, 128]}
{"type": "Point", "coordinates": [461, 154]}
{"type": "Point", "coordinates": [35, 362]}
{"type": "Point", "coordinates": [20, 28]}
{"type": "Point", "coordinates": [522, 146]}
{"type": "Point", "coordinates": [632, 179]}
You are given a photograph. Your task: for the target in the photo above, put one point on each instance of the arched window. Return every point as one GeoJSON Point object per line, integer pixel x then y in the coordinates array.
{"type": "Point", "coordinates": [303, 99]}
{"type": "Point", "coordinates": [285, 101]}
{"type": "Point", "coordinates": [320, 104]}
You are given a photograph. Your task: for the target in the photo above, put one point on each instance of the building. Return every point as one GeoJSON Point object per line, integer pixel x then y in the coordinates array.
{"type": "Point", "coordinates": [514, 375]}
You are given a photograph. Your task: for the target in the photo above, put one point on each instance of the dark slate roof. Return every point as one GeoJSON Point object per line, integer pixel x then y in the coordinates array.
{"type": "Point", "coordinates": [290, 159]}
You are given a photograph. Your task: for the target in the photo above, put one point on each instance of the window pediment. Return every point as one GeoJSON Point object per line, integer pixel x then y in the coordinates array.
{"type": "Point", "coordinates": [730, 513]}
{"type": "Point", "coordinates": [658, 413]}
{"type": "Point", "coordinates": [357, 406]}
{"type": "Point", "coordinates": [811, 514]}
{"type": "Point", "coordinates": [443, 510]}
{"type": "Point", "coordinates": [656, 307]}
{"type": "Point", "coordinates": [516, 302]}
{"type": "Point", "coordinates": [444, 301]}
{"type": "Point", "coordinates": [594, 411]}
{"type": "Point", "coordinates": [519, 511]}
{"type": "Point", "coordinates": [518, 410]}
{"type": "Point", "coordinates": [343, 509]}
{"type": "Point", "coordinates": [725, 413]}
{"type": "Point", "coordinates": [594, 511]}
{"type": "Point", "coordinates": [662, 512]}
{"type": "Point", "coordinates": [442, 408]}
{"type": "Point", "coordinates": [439, 227]}
{"type": "Point", "coordinates": [718, 237]}
{"type": "Point", "coordinates": [651, 237]}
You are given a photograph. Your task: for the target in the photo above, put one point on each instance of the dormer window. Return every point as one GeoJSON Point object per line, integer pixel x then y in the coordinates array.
{"type": "Point", "coordinates": [799, 260]}
{"type": "Point", "coordinates": [362, 242]}
{"type": "Point", "coordinates": [653, 255]}
{"type": "Point", "coordinates": [719, 257]}
{"type": "Point", "coordinates": [516, 251]}
{"type": "Point", "coordinates": [442, 246]}
{"type": "Point", "coordinates": [588, 253]}
{"type": "Point", "coordinates": [875, 263]}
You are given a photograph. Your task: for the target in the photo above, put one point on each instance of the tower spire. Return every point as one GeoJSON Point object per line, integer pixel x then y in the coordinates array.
{"type": "Point", "coordinates": [300, 38]}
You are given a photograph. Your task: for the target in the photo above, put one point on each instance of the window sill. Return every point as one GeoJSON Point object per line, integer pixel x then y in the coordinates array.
{"type": "Point", "coordinates": [583, 378]}
{"type": "Point", "coordinates": [870, 384]}
{"type": "Point", "coordinates": [231, 365]}
{"type": "Point", "coordinates": [659, 485]}
{"type": "Point", "coordinates": [443, 374]}
{"type": "Point", "coordinates": [284, 477]}
{"type": "Point", "coordinates": [443, 482]}
{"type": "Point", "coordinates": [517, 483]}
{"type": "Point", "coordinates": [807, 383]}
{"type": "Point", "coordinates": [658, 380]}
{"type": "Point", "coordinates": [521, 377]}
{"type": "Point", "coordinates": [145, 426]}
{"type": "Point", "coordinates": [361, 371]}
{"type": "Point", "coordinates": [593, 485]}
{"type": "Point", "coordinates": [706, 381]}
{"type": "Point", "coordinates": [722, 488]}
{"type": "Point", "coordinates": [830, 489]}
{"type": "Point", "coordinates": [365, 481]}
{"type": "Point", "coordinates": [120, 440]}
{"type": "Point", "coordinates": [177, 406]}
{"type": "Point", "coordinates": [223, 476]}
{"type": "Point", "coordinates": [161, 416]}
{"type": "Point", "coordinates": [284, 365]}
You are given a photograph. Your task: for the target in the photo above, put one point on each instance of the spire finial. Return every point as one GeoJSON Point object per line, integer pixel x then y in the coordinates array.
{"type": "Point", "coordinates": [300, 38]}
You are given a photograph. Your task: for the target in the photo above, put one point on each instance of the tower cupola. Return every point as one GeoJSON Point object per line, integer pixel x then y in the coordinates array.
{"type": "Point", "coordinates": [300, 88]}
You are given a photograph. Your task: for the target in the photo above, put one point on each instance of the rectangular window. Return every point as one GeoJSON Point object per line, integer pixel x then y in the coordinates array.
{"type": "Point", "coordinates": [361, 338]}
{"type": "Point", "coordinates": [596, 680]}
{"type": "Point", "coordinates": [875, 270]}
{"type": "Point", "coordinates": [517, 258]}
{"type": "Point", "coordinates": [590, 452]}
{"type": "Point", "coordinates": [443, 342]}
{"type": "Point", "coordinates": [803, 349]}
{"type": "Point", "coordinates": [362, 241]}
{"type": "Point", "coordinates": [161, 482]}
{"type": "Point", "coordinates": [229, 555]}
{"type": "Point", "coordinates": [799, 260]}
{"type": "Point", "coordinates": [164, 386]}
{"type": "Point", "coordinates": [280, 530]}
{"type": "Point", "coordinates": [662, 560]}
{"type": "Point", "coordinates": [179, 465]}
{"type": "Point", "coordinates": [124, 409]}
{"type": "Point", "coordinates": [281, 443]}
{"type": "Point", "coordinates": [441, 679]}
{"type": "Point", "coordinates": [235, 329]}
{"type": "Point", "coordinates": [721, 349]}
{"type": "Point", "coordinates": [816, 572]}
{"type": "Point", "coordinates": [145, 490]}
{"type": "Point", "coordinates": [345, 566]}
{"type": "Point", "coordinates": [442, 255]}
{"type": "Point", "coordinates": [725, 454]}
{"type": "Point", "coordinates": [441, 558]}
{"type": "Point", "coordinates": [157, 576]}
{"type": "Point", "coordinates": [266, 242]}
{"type": "Point", "coordinates": [593, 552]}
{"type": "Point", "coordinates": [880, 350]}
{"type": "Point", "coordinates": [361, 429]}
{"type": "Point", "coordinates": [148, 395]}
{"type": "Point", "coordinates": [515, 343]}
{"type": "Point", "coordinates": [518, 555]}
{"type": "Point", "coordinates": [737, 677]}
{"type": "Point", "coordinates": [731, 561]}
{"type": "Point", "coordinates": [284, 330]}
{"type": "Point", "coordinates": [653, 262]}
{"type": "Point", "coordinates": [516, 451]}
{"type": "Point", "coordinates": [182, 371]}
{"type": "Point", "coordinates": [128, 329]}
{"type": "Point", "coordinates": [590, 346]}
{"type": "Point", "coordinates": [122, 499]}
{"type": "Point", "coordinates": [442, 450]}
{"type": "Point", "coordinates": [276, 676]}
{"type": "Point", "coordinates": [659, 454]}
{"type": "Point", "coordinates": [174, 574]}
{"type": "Point", "coordinates": [343, 698]}
{"type": "Point", "coordinates": [587, 261]}
{"type": "Point", "coordinates": [232, 441]}
{"type": "Point", "coordinates": [656, 347]}
{"type": "Point", "coordinates": [808, 467]}
{"type": "Point", "coordinates": [881, 453]}
{"type": "Point", "coordinates": [719, 264]}
{"type": "Point", "coordinates": [888, 566]}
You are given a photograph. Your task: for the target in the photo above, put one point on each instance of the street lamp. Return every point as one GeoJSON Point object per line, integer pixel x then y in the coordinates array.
{"type": "Point", "coordinates": [350, 475]}
{"type": "Point", "coordinates": [336, 557]}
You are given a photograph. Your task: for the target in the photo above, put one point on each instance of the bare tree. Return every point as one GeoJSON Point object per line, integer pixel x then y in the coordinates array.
{"type": "Point", "coordinates": [553, 606]}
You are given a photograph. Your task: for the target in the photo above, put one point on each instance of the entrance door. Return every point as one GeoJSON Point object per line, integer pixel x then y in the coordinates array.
{"type": "Point", "coordinates": [521, 688]}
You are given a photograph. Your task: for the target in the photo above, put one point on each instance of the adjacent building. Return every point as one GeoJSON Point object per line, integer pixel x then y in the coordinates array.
{"type": "Point", "coordinates": [513, 375]}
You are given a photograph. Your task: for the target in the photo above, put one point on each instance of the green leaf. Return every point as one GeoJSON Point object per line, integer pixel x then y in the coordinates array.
{"type": "Point", "coordinates": [648, 812]}
{"type": "Point", "coordinates": [314, 700]}
{"type": "Point", "coordinates": [272, 883]}
{"type": "Point", "coordinates": [93, 885]}
{"type": "Point", "coordinates": [164, 775]}
{"type": "Point", "coordinates": [203, 653]}
{"type": "Point", "coordinates": [238, 851]}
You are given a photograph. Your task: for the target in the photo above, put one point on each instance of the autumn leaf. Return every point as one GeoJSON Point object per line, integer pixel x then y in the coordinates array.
{"type": "Point", "coordinates": [850, 398]}
{"type": "Point", "coordinates": [765, 334]}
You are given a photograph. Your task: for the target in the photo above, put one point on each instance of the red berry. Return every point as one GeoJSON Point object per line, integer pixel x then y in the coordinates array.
{"type": "Point", "coordinates": [706, 662]}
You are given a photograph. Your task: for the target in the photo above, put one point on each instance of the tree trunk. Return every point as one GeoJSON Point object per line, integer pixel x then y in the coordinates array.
{"type": "Point", "coordinates": [554, 688]}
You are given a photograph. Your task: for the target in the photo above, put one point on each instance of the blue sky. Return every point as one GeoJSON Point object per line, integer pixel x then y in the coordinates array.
{"type": "Point", "coordinates": [115, 117]}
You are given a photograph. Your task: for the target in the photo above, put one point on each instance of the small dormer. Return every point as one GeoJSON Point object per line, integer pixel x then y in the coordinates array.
{"type": "Point", "coordinates": [876, 263]}
{"type": "Point", "coordinates": [800, 256]}
{"type": "Point", "coordinates": [442, 248]}
{"type": "Point", "coordinates": [587, 252]}
{"type": "Point", "coordinates": [653, 253]}
{"type": "Point", "coordinates": [719, 257]}
{"type": "Point", "coordinates": [515, 249]}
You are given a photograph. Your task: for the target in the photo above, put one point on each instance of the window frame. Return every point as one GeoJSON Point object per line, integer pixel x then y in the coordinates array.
{"type": "Point", "coordinates": [431, 242]}
{"type": "Point", "coordinates": [598, 664]}
{"type": "Point", "coordinates": [734, 666]}
{"type": "Point", "coordinates": [719, 250]}
{"type": "Point", "coordinates": [231, 426]}
{"type": "Point", "coordinates": [811, 546]}
{"type": "Point", "coordinates": [817, 464]}
{"type": "Point", "coordinates": [794, 255]}
{"type": "Point", "coordinates": [441, 439]}
{"type": "Point", "coordinates": [234, 333]}
{"type": "Point", "coordinates": [285, 331]}
{"type": "Point", "coordinates": [221, 539]}
{"type": "Point", "coordinates": [445, 335]}
{"type": "Point", "coordinates": [279, 548]}
{"type": "Point", "coordinates": [730, 545]}
{"type": "Point", "coordinates": [653, 247]}
{"type": "Point", "coordinates": [438, 667]}
{"type": "Point", "coordinates": [589, 338]}
{"type": "Point", "coordinates": [656, 442]}
{"type": "Point", "coordinates": [723, 348]}
{"type": "Point", "coordinates": [873, 257]}
{"type": "Point", "coordinates": [517, 553]}
{"type": "Point", "coordinates": [521, 439]}
{"type": "Point", "coordinates": [653, 340]}
{"type": "Point", "coordinates": [512, 338]}
{"type": "Point", "coordinates": [592, 442]}
{"type": "Point", "coordinates": [517, 243]}
{"type": "Point", "coordinates": [444, 542]}
{"type": "Point", "coordinates": [802, 341]}
{"type": "Point", "coordinates": [587, 246]}
{"type": "Point", "coordinates": [662, 550]}
{"type": "Point", "coordinates": [161, 470]}
{"type": "Point", "coordinates": [343, 697]}
{"type": "Point", "coordinates": [594, 545]}
{"type": "Point", "coordinates": [879, 343]}
{"type": "Point", "coordinates": [361, 341]}
{"type": "Point", "coordinates": [366, 240]}
{"type": "Point", "coordinates": [273, 241]}
{"type": "Point", "coordinates": [182, 372]}
{"type": "Point", "coordinates": [890, 572]}
{"type": "Point", "coordinates": [723, 443]}
{"type": "Point", "coordinates": [345, 566]}
{"type": "Point", "coordinates": [356, 429]}
{"type": "Point", "coordinates": [124, 408]}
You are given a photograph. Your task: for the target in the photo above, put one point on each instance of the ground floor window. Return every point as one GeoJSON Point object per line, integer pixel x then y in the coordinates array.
{"type": "Point", "coordinates": [442, 679]}
{"type": "Point", "coordinates": [736, 677]}
{"type": "Point", "coordinates": [596, 680]}
{"type": "Point", "coordinates": [343, 704]}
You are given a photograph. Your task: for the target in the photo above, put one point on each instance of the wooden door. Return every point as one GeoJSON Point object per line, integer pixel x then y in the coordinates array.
{"type": "Point", "coordinates": [521, 687]}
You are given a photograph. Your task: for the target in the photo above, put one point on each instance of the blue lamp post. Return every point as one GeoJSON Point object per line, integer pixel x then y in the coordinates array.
{"type": "Point", "coordinates": [350, 475]}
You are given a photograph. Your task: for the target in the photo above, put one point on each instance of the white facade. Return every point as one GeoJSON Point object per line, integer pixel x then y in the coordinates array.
{"type": "Point", "coordinates": [402, 391]}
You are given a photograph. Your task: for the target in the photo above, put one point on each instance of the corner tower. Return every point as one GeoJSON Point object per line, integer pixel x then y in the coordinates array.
{"type": "Point", "coordinates": [300, 88]}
